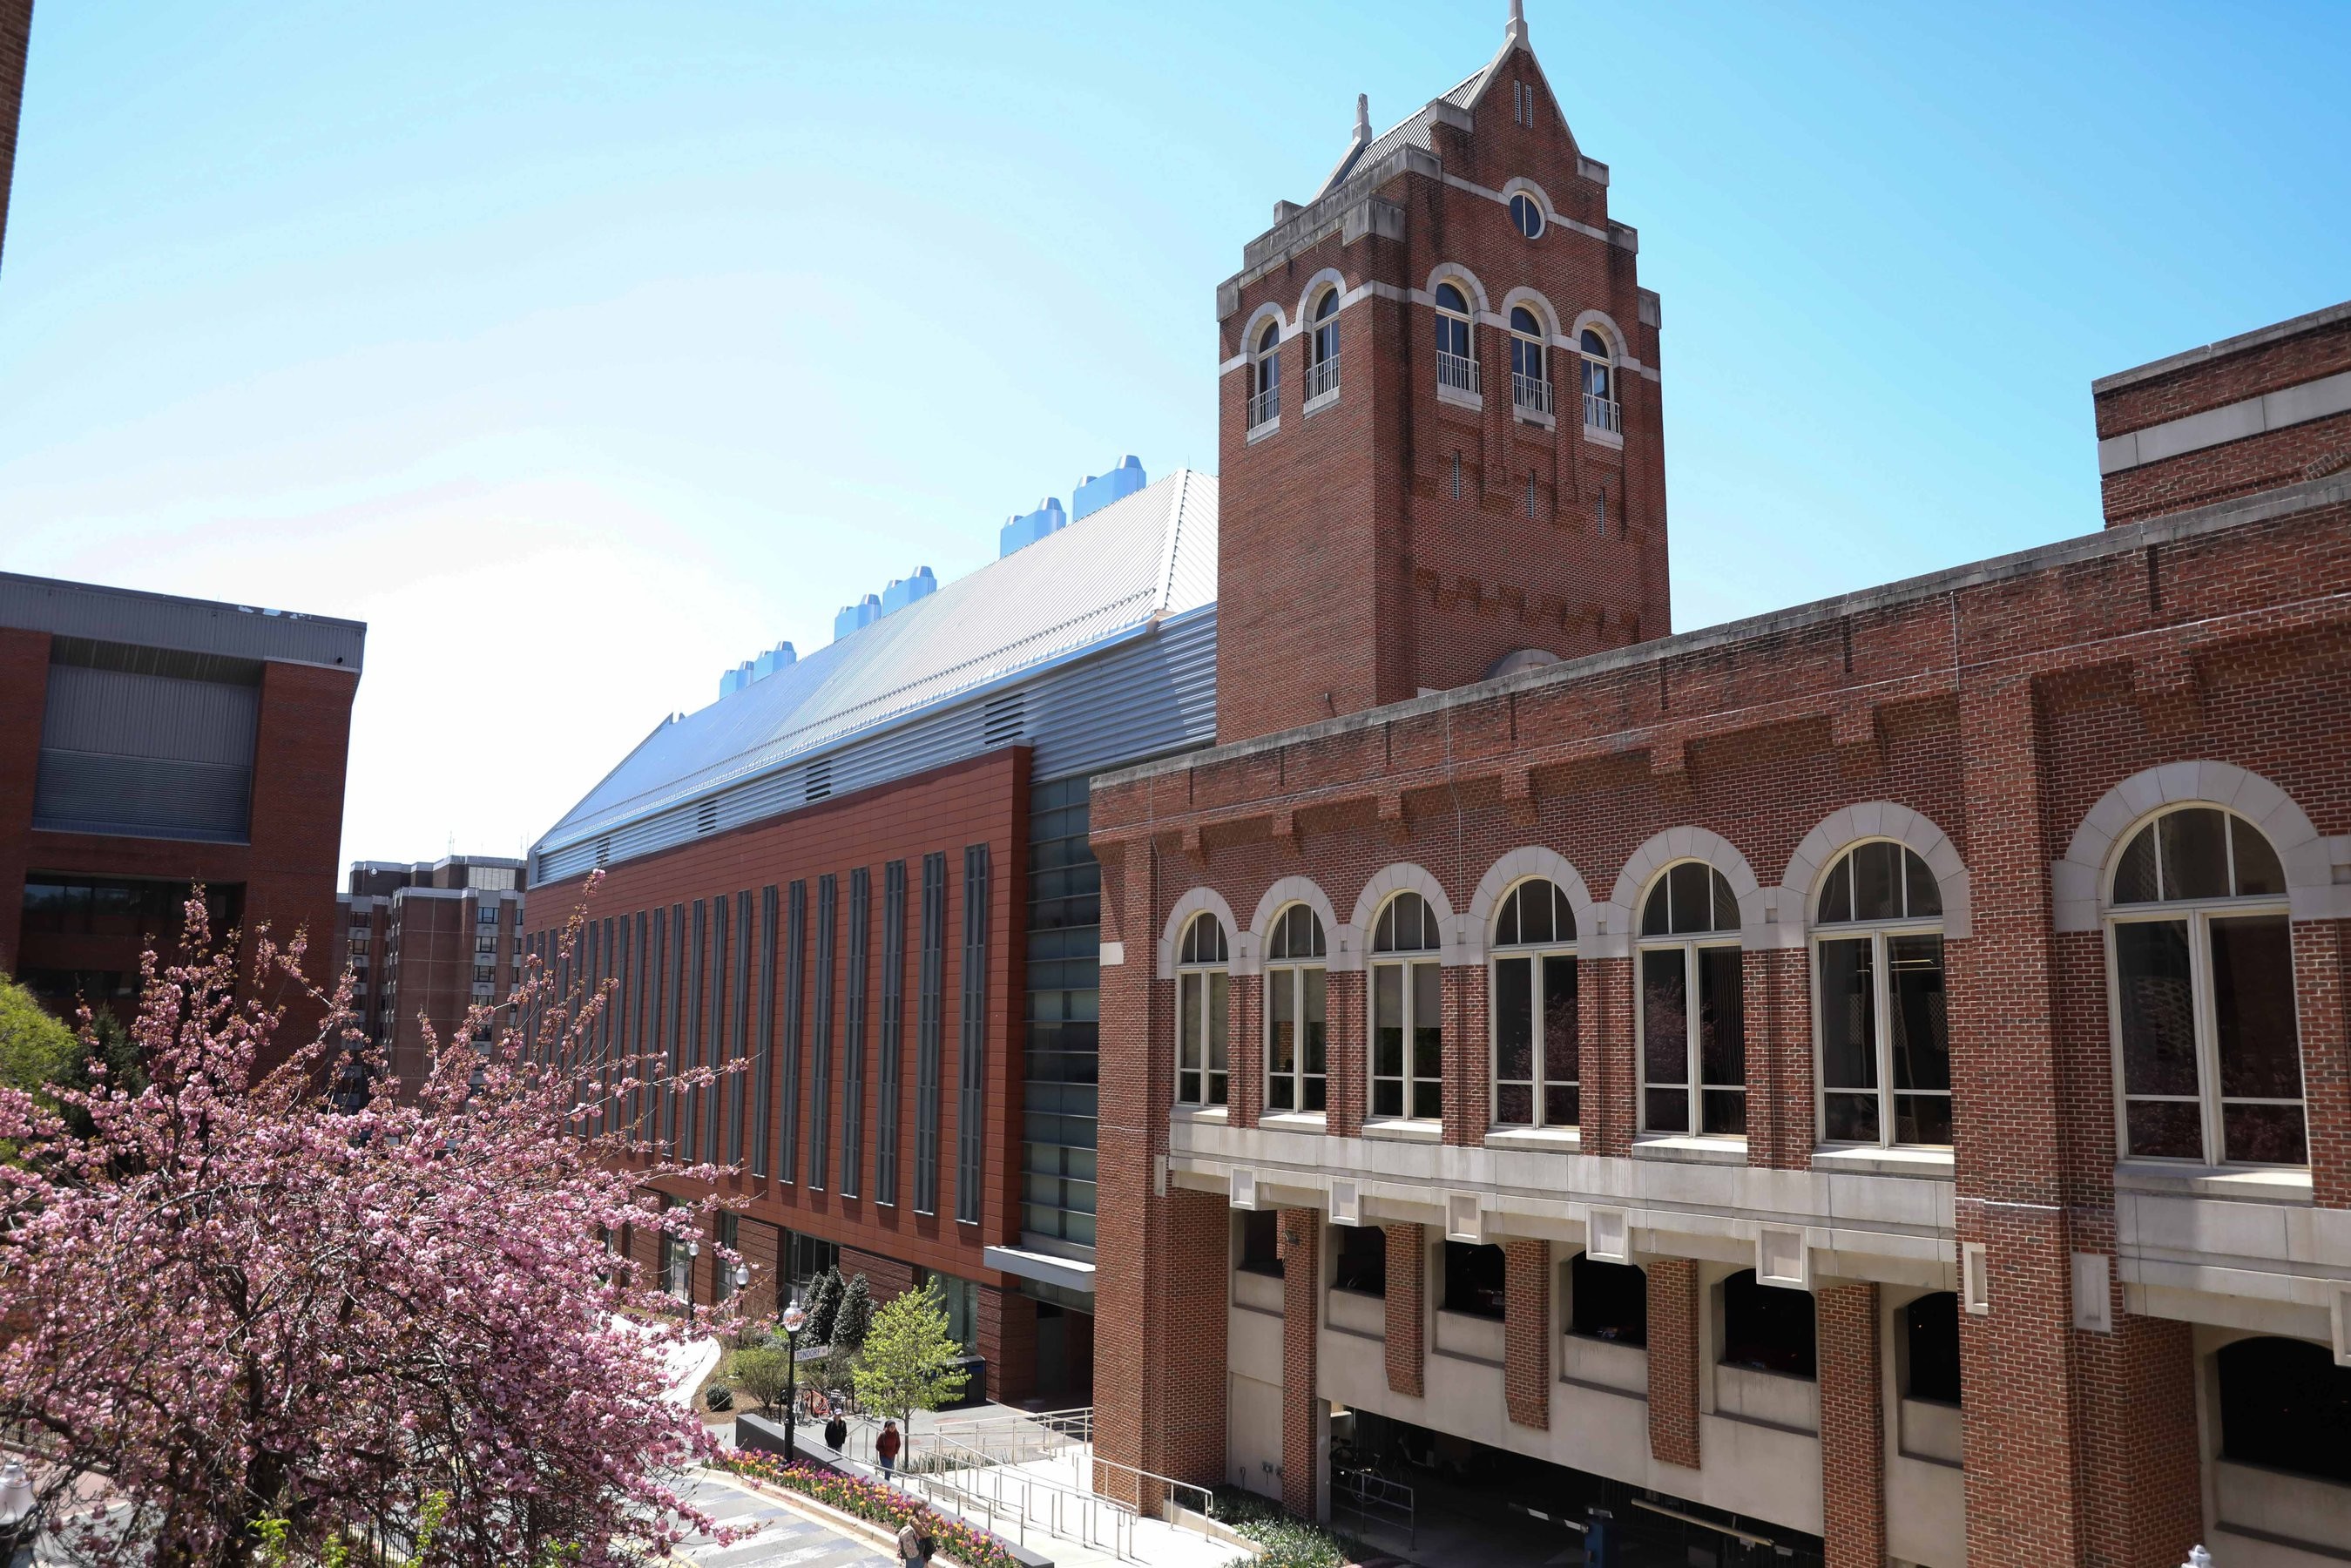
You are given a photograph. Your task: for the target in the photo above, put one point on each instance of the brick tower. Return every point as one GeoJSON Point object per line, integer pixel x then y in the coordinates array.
{"type": "Point", "coordinates": [1442, 441]}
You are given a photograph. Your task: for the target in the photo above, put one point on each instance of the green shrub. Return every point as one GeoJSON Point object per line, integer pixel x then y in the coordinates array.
{"type": "Point", "coordinates": [1289, 1540]}
{"type": "Point", "coordinates": [718, 1397]}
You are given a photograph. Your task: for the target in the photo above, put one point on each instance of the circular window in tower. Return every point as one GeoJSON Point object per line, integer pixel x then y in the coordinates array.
{"type": "Point", "coordinates": [1528, 215]}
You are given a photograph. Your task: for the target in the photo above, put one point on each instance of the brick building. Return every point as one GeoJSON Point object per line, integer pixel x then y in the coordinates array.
{"type": "Point", "coordinates": [154, 742]}
{"type": "Point", "coordinates": [864, 874]}
{"type": "Point", "coordinates": [1864, 1084]}
{"type": "Point", "coordinates": [428, 941]}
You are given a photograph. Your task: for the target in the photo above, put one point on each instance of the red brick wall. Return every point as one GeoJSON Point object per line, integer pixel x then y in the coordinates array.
{"type": "Point", "coordinates": [2322, 977]}
{"type": "Point", "coordinates": [1853, 1427]}
{"type": "Point", "coordinates": [1407, 1305]}
{"type": "Point", "coordinates": [1527, 1332]}
{"type": "Point", "coordinates": [1007, 1342]}
{"type": "Point", "coordinates": [1302, 1322]}
{"type": "Point", "coordinates": [1674, 1297]}
{"type": "Point", "coordinates": [984, 799]}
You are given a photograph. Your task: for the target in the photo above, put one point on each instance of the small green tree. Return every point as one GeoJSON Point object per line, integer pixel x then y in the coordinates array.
{"type": "Point", "coordinates": [910, 1362]}
{"type": "Point", "coordinates": [823, 1302]}
{"type": "Point", "coordinates": [762, 1374]}
{"type": "Point", "coordinates": [853, 1317]}
{"type": "Point", "coordinates": [36, 1050]}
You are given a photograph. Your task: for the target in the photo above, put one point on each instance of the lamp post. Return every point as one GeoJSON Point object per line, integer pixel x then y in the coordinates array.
{"type": "Point", "coordinates": [18, 1508]}
{"type": "Point", "coordinates": [794, 1320]}
{"type": "Point", "coordinates": [692, 1252]}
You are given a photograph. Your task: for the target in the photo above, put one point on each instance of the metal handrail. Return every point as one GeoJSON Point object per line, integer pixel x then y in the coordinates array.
{"type": "Point", "coordinates": [1530, 393]}
{"type": "Point", "coordinates": [1373, 1498]}
{"type": "Point", "coordinates": [1141, 1476]}
{"type": "Point", "coordinates": [1264, 405]}
{"type": "Point", "coordinates": [1072, 1511]}
{"type": "Point", "coordinates": [1604, 414]}
{"type": "Point", "coordinates": [1322, 377]}
{"type": "Point", "coordinates": [1457, 372]}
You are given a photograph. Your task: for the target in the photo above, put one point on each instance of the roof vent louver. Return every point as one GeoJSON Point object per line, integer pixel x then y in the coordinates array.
{"type": "Point", "coordinates": [1002, 721]}
{"type": "Point", "coordinates": [817, 783]}
{"type": "Point", "coordinates": [605, 851]}
{"type": "Point", "coordinates": [902, 591]}
{"type": "Point", "coordinates": [705, 817]}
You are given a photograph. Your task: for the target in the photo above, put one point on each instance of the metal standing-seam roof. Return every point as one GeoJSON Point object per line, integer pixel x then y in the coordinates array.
{"type": "Point", "coordinates": [1112, 574]}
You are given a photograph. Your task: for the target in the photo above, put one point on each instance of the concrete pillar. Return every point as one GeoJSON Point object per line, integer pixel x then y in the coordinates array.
{"type": "Point", "coordinates": [1301, 1237]}
{"type": "Point", "coordinates": [1673, 1360]}
{"type": "Point", "coordinates": [1526, 1332]}
{"type": "Point", "coordinates": [1407, 1308]}
{"type": "Point", "coordinates": [1853, 1427]}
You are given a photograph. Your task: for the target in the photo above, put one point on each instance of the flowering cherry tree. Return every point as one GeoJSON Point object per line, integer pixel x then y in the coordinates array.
{"type": "Point", "coordinates": [265, 1314]}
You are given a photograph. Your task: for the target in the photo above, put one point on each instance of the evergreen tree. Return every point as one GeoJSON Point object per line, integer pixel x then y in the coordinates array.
{"type": "Point", "coordinates": [823, 1302]}
{"type": "Point", "coordinates": [853, 1317]}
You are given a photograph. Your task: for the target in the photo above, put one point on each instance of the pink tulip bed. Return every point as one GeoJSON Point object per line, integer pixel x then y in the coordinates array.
{"type": "Point", "coordinates": [878, 1504]}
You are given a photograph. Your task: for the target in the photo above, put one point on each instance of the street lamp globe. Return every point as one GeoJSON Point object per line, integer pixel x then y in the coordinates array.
{"type": "Point", "coordinates": [795, 1319]}
{"type": "Point", "coordinates": [16, 1499]}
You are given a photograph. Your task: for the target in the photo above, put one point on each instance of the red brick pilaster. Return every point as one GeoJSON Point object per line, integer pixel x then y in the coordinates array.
{"type": "Point", "coordinates": [2142, 1477]}
{"type": "Point", "coordinates": [1246, 1033]}
{"type": "Point", "coordinates": [1468, 1082]}
{"type": "Point", "coordinates": [1526, 1332]}
{"type": "Point", "coordinates": [1853, 1428]}
{"type": "Point", "coordinates": [1604, 987]}
{"type": "Point", "coordinates": [1301, 1281]}
{"type": "Point", "coordinates": [1007, 1342]}
{"type": "Point", "coordinates": [1344, 1089]}
{"type": "Point", "coordinates": [24, 698]}
{"type": "Point", "coordinates": [1407, 1308]}
{"type": "Point", "coordinates": [1673, 1360]}
{"type": "Point", "coordinates": [1779, 1058]}
{"type": "Point", "coordinates": [2322, 966]}
{"type": "Point", "coordinates": [760, 1242]}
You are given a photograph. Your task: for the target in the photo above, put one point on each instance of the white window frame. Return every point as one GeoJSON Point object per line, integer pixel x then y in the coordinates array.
{"type": "Point", "coordinates": [1290, 970]}
{"type": "Point", "coordinates": [1538, 387]}
{"type": "Point", "coordinates": [2199, 913]}
{"type": "Point", "coordinates": [1534, 206]}
{"type": "Point", "coordinates": [1209, 981]}
{"type": "Point", "coordinates": [1534, 953]}
{"type": "Point", "coordinates": [1693, 1013]}
{"type": "Point", "coordinates": [1264, 380]}
{"type": "Point", "coordinates": [1407, 964]}
{"type": "Point", "coordinates": [1878, 933]}
{"type": "Point", "coordinates": [1465, 366]}
{"type": "Point", "coordinates": [1322, 350]}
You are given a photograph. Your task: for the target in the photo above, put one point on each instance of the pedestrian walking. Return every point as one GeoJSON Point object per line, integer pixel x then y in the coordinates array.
{"type": "Point", "coordinates": [909, 1543]}
{"type": "Point", "coordinates": [836, 1432]}
{"type": "Point", "coordinates": [886, 1447]}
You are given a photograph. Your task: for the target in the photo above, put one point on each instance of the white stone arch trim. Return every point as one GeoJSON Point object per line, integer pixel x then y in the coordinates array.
{"type": "Point", "coordinates": [1761, 921]}
{"type": "Point", "coordinates": [1198, 901]}
{"type": "Point", "coordinates": [1329, 277]}
{"type": "Point", "coordinates": [1519, 184]}
{"type": "Point", "coordinates": [2078, 881]}
{"type": "Point", "coordinates": [1608, 329]}
{"type": "Point", "coordinates": [1249, 956]}
{"type": "Point", "coordinates": [1463, 276]}
{"type": "Point", "coordinates": [1477, 921]}
{"type": "Point", "coordinates": [1257, 319]}
{"type": "Point", "coordinates": [1522, 295]}
{"type": "Point", "coordinates": [1878, 819]}
{"type": "Point", "coordinates": [1406, 877]}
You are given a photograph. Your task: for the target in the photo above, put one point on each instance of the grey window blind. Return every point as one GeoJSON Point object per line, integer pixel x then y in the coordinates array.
{"type": "Point", "coordinates": [971, 1069]}
{"type": "Point", "coordinates": [638, 990]}
{"type": "Point", "coordinates": [893, 1029]}
{"type": "Point", "coordinates": [678, 1014]}
{"type": "Point", "coordinates": [696, 1145]}
{"type": "Point", "coordinates": [828, 920]}
{"type": "Point", "coordinates": [852, 1044]}
{"type": "Point", "coordinates": [737, 1028]}
{"type": "Point", "coordinates": [764, 1096]}
{"type": "Point", "coordinates": [788, 1114]}
{"type": "Point", "coordinates": [126, 749]}
{"type": "Point", "coordinates": [928, 1026]}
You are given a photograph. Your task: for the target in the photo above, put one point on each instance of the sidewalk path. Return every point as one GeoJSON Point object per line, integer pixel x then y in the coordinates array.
{"type": "Point", "coordinates": [781, 1538]}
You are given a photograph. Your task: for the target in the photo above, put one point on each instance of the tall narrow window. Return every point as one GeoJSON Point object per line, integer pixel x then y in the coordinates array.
{"type": "Point", "coordinates": [1407, 1011]}
{"type": "Point", "coordinates": [1884, 1042]}
{"type": "Point", "coordinates": [1536, 1071]}
{"type": "Point", "coordinates": [891, 1102]}
{"type": "Point", "coordinates": [1600, 411]}
{"type": "Point", "coordinates": [787, 1107]}
{"type": "Point", "coordinates": [640, 1006]}
{"type": "Point", "coordinates": [1692, 1015]}
{"type": "Point", "coordinates": [929, 1023]}
{"type": "Point", "coordinates": [738, 1029]}
{"type": "Point", "coordinates": [763, 1094]}
{"type": "Point", "coordinates": [852, 1042]}
{"type": "Point", "coordinates": [1529, 376]}
{"type": "Point", "coordinates": [1296, 1032]}
{"type": "Point", "coordinates": [2203, 1004]}
{"type": "Point", "coordinates": [1456, 361]}
{"type": "Point", "coordinates": [1202, 995]}
{"type": "Point", "coordinates": [1323, 351]}
{"type": "Point", "coordinates": [971, 1065]}
{"type": "Point", "coordinates": [701, 1007]}
{"type": "Point", "coordinates": [1457, 475]}
{"type": "Point", "coordinates": [827, 926]}
{"type": "Point", "coordinates": [1264, 378]}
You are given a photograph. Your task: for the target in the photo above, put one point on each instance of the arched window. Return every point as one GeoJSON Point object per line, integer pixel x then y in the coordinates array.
{"type": "Point", "coordinates": [1295, 1032]}
{"type": "Point", "coordinates": [2203, 993]}
{"type": "Point", "coordinates": [1407, 1011]}
{"type": "Point", "coordinates": [1600, 407]}
{"type": "Point", "coordinates": [1203, 989]}
{"type": "Point", "coordinates": [1322, 348]}
{"type": "Point", "coordinates": [1457, 361]}
{"type": "Point", "coordinates": [2285, 1405]}
{"type": "Point", "coordinates": [1693, 1057]}
{"type": "Point", "coordinates": [1529, 383]}
{"type": "Point", "coordinates": [1884, 1041]}
{"type": "Point", "coordinates": [1535, 1066]}
{"type": "Point", "coordinates": [1264, 378]}
{"type": "Point", "coordinates": [1527, 215]}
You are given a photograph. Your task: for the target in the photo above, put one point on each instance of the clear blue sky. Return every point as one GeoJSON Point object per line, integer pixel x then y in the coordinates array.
{"type": "Point", "coordinates": [583, 350]}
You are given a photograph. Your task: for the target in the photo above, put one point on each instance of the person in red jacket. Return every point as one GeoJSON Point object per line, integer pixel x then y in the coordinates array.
{"type": "Point", "coordinates": [887, 1445]}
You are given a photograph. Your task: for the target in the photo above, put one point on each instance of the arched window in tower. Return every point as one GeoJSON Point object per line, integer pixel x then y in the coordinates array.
{"type": "Point", "coordinates": [1530, 379]}
{"type": "Point", "coordinates": [1457, 361]}
{"type": "Point", "coordinates": [1408, 1012]}
{"type": "Point", "coordinates": [1203, 992]}
{"type": "Point", "coordinates": [1296, 1019]}
{"type": "Point", "coordinates": [1264, 377]}
{"type": "Point", "coordinates": [1600, 411]}
{"type": "Point", "coordinates": [1534, 998]}
{"type": "Point", "coordinates": [1692, 1017]}
{"type": "Point", "coordinates": [1527, 215]}
{"type": "Point", "coordinates": [2198, 934]}
{"type": "Point", "coordinates": [1323, 351]}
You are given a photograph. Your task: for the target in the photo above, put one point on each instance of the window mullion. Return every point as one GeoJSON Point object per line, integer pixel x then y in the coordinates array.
{"type": "Point", "coordinates": [1693, 1011]}
{"type": "Point", "coordinates": [1882, 1013]}
{"type": "Point", "coordinates": [2207, 1042]}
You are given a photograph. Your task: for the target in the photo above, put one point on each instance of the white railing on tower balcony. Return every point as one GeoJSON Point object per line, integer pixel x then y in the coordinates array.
{"type": "Point", "coordinates": [1601, 413]}
{"type": "Point", "coordinates": [1457, 373]}
{"type": "Point", "coordinates": [1530, 394]}
{"type": "Point", "coordinates": [1263, 406]}
{"type": "Point", "coordinates": [1322, 378]}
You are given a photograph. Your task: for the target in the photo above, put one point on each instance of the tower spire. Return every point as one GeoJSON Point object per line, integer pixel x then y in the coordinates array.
{"type": "Point", "coordinates": [1517, 31]}
{"type": "Point", "coordinates": [1364, 116]}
